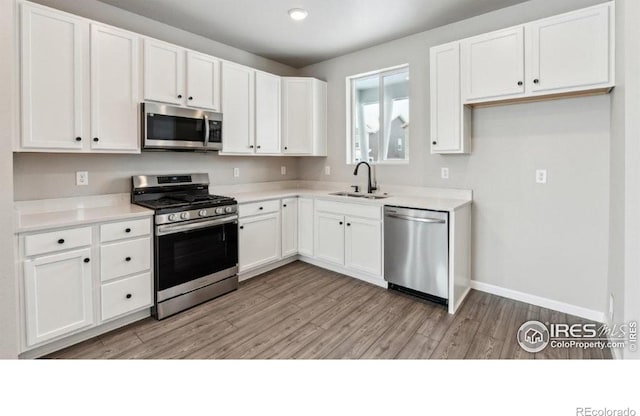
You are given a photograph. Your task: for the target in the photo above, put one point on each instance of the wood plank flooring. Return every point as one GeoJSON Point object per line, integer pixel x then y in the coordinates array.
{"type": "Point", "coordinates": [301, 311]}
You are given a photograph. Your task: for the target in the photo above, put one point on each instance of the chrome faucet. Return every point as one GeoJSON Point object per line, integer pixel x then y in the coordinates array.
{"type": "Point", "coordinates": [370, 187]}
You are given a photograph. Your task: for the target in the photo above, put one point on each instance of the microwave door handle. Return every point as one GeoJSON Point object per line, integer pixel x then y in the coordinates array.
{"type": "Point", "coordinates": [207, 131]}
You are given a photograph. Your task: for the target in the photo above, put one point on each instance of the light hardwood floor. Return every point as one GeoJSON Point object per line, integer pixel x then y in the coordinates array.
{"type": "Point", "coordinates": [301, 311]}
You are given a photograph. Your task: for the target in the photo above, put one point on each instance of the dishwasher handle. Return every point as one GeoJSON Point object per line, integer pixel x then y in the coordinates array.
{"type": "Point", "coordinates": [417, 219]}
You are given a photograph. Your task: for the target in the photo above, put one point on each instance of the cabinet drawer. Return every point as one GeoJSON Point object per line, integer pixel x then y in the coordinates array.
{"type": "Point", "coordinates": [127, 257]}
{"type": "Point", "coordinates": [255, 208]}
{"type": "Point", "coordinates": [356, 210]}
{"type": "Point", "coordinates": [126, 295]}
{"type": "Point", "coordinates": [125, 229]}
{"type": "Point", "coordinates": [56, 241]}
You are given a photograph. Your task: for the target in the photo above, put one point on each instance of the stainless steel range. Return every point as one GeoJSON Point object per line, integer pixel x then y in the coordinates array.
{"type": "Point", "coordinates": [196, 240]}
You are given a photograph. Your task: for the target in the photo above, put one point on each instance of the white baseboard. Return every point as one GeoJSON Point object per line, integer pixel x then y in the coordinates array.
{"type": "Point", "coordinates": [540, 301]}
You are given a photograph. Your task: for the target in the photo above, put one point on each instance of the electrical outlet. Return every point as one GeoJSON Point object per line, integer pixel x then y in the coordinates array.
{"type": "Point", "coordinates": [327, 170]}
{"type": "Point", "coordinates": [82, 178]}
{"type": "Point", "coordinates": [611, 307]}
{"type": "Point", "coordinates": [541, 176]}
{"type": "Point", "coordinates": [236, 172]}
{"type": "Point", "coordinates": [283, 170]}
{"type": "Point", "coordinates": [444, 173]}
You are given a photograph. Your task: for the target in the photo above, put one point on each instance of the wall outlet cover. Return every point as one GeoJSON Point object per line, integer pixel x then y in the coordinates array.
{"type": "Point", "coordinates": [236, 172]}
{"type": "Point", "coordinates": [82, 178]}
{"type": "Point", "coordinates": [611, 309]}
{"type": "Point", "coordinates": [327, 170]}
{"type": "Point", "coordinates": [541, 176]}
{"type": "Point", "coordinates": [444, 173]}
{"type": "Point", "coordinates": [283, 170]}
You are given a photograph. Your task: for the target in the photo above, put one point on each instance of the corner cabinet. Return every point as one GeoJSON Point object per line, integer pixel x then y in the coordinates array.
{"type": "Point", "coordinates": [571, 54]}
{"type": "Point", "coordinates": [79, 84]}
{"type": "Point", "coordinates": [304, 117]}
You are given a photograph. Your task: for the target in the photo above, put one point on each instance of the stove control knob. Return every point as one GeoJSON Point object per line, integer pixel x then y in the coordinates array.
{"type": "Point", "coordinates": [228, 209]}
{"type": "Point", "coordinates": [202, 212]}
{"type": "Point", "coordinates": [173, 217]}
{"type": "Point", "coordinates": [184, 215]}
{"type": "Point", "coordinates": [219, 210]}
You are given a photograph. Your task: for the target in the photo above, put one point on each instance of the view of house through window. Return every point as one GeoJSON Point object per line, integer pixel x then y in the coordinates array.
{"type": "Point", "coordinates": [379, 116]}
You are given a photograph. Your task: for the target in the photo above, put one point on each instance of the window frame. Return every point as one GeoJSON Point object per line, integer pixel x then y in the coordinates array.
{"type": "Point", "coordinates": [350, 101]}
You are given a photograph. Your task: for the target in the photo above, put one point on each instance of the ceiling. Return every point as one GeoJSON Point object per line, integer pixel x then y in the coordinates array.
{"type": "Point", "coordinates": [333, 27]}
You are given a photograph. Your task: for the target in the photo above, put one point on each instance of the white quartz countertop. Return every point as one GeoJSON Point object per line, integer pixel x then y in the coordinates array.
{"type": "Point", "coordinates": [49, 214]}
{"type": "Point", "coordinates": [420, 202]}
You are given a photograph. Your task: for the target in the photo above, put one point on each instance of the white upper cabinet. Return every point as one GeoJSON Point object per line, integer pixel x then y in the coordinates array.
{"type": "Point", "coordinates": [203, 81]}
{"type": "Point", "coordinates": [571, 52]}
{"type": "Point", "coordinates": [448, 132]}
{"type": "Point", "coordinates": [267, 113]}
{"type": "Point", "coordinates": [238, 107]}
{"type": "Point", "coordinates": [493, 65]}
{"type": "Point", "coordinates": [53, 81]}
{"type": "Point", "coordinates": [114, 89]}
{"type": "Point", "coordinates": [163, 72]}
{"type": "Point", "coordinates": [304, 122]}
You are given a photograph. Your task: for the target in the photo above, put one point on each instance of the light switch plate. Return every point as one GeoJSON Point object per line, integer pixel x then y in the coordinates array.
{"type": "Point", "coordinates": [283, 170]}
{"type": "Point", "coordinates": [82, 178]}
{"type": "Point", "coordinates": [236, 172]}
{"type": "Point", "coordinates": [541, 176]}
{"type": "Point", "coordinates": [327, 170]}
{"type": "Point", "coordinates": [444, 173]}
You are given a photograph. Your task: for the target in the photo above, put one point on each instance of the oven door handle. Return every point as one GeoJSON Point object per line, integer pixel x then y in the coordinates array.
{"type": "Point", "coordinates": [178, 228]}
{"type": "Point", "coordinates": [207, 132]}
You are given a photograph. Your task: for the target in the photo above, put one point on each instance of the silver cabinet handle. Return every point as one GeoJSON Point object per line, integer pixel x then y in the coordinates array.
{"type": "Point", "coordinates": [408, 218]}
{"type": "Point", "coordinates": [206, 130]}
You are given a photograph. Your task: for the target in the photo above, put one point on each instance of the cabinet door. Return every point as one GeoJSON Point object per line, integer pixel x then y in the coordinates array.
{"type": "Point", "coordinates": [58, 295]}
{"type": "Point", "coordinates": [53, 80]}
{"type": "Point", "coordinates": [268, 104]}
{"type": "Point", "coordinates": [446, 106]}
{"type": "Point", "coordinates": [570, 52]}
{"type": "Point", "coordinates": [289, 226]}
{"type": "Point", "coordinates": [259, 241]}
{"type": "Point", "coordinates": [238, 105]}
{"type": "Point", "coordinates": [163, 72]}
{"type": "Point", "coordinates": [330, 237]}
{"type": "Point", "coordinates": [114, 89]}
{"type": "Point", "coordinates": [203, 81]}
{"type": "Point", "coordinates": [493, 65]}
{"type": "Point", "coordinates": [297, 108]}
{"type": "Point", "coordinates": [305, 226]}
{"type": "Point", "coordinates": [363, 243]}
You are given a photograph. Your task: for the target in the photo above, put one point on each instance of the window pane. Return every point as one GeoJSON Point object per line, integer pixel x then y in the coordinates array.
{"type": "Point", "coordinates": [366, 119]}
{"type": "Point", "coordinates": [396, 116]}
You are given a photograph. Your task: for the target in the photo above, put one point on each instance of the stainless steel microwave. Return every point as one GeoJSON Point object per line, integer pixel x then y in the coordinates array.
{"type": "Point", "coordinates": [167, 127]}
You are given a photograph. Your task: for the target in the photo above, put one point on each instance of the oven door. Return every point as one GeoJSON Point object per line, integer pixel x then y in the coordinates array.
{"type": "Point", "coordinates": [167, 127]}
{"type": "Point", "coordinates": [193, 255]}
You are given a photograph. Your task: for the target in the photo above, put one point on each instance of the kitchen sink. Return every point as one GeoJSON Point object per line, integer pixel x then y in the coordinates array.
{"type": "Point", "coordinates": [359, 195]}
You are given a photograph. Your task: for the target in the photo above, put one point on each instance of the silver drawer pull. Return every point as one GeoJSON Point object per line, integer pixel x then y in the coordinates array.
{"type": "Point", "coordinates": [408, 218]}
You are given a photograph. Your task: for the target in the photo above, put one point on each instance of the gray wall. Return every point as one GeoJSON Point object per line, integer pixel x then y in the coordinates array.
{"type": "Point", "coordinates": [8, 284]}
{"type": "Point", "coordinates": [546, 240]}
{"type": "Point", "coordinates": [53, 175]}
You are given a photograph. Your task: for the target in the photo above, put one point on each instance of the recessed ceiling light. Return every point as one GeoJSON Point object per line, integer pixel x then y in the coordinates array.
{"type": "Point", "coordinates": [298, 14]}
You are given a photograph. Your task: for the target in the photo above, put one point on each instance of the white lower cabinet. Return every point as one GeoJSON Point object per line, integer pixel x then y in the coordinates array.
{"type": "Point", "coordinates": [58, 295]}
{"type": "Point", "coordinates": [330, 237]}
{"type": "Point", "coordinates": [363, 245]}
{"type": "Point", "coordinates": [349, 235]}
{"type": "Point", "coordinates": [289, 227]}
{"type": "Point", "coordinates": [61, 268]}
{"type": "Point", "coordinates": [259, 240]}
{"type": "Point", "coordinates": [305, 227]}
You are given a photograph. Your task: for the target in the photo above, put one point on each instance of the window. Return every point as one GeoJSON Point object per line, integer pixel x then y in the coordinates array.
{"type": "Point", "coordinates": [378, 119]}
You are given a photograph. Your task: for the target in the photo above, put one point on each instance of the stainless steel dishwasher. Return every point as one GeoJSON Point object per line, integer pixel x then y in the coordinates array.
{"type": "Point", "coordinates": [416, 252]}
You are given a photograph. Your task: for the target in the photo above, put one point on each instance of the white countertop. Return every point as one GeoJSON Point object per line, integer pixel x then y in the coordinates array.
{"type": "Point", "coordinates": [69, 212]}
{"type": "Point", "coordinates": [420, 202]}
